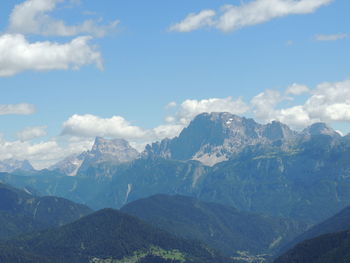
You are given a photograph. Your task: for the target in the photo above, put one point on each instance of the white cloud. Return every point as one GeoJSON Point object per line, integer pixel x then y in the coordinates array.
{"type": "Point", "coordinates": [264, 104]}
{"type": "Point", "coordinates": [194, 21]}
{"type": "Point", "coordinates": [30, 133]}
{"type": "Point", "coordinates": [90, 126]}
{"type": "Point", "coordinates": [17, 55]}
{"type": "Point", "coordinates": [43, 154]}
{"type": "Point", "coordinates": [328, 102]}
{"type": "Point", "coordinates": [17, 109]}
{"type": "Point", "coordinates": [334, 37]}
{"type": "Point", "coordinates": [36, 153]}
{"type": "Point", "coordinates": [172, 104]}
{"type": "Point", "coordinates": [190, 108]}
{"type": "Point", "coordinates": [297, 89]}
{"type": "Point", "coordinates": [31, 17]}
{"type": "Point", "coordinates": [296, 117]}
{"type": "Point", "coordinates": [247, 14]}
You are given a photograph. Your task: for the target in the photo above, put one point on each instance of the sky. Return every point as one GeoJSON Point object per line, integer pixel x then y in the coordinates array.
{"type": "Point", "coordinates": [71, 70]}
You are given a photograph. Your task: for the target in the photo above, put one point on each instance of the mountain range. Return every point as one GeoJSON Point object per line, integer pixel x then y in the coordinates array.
{"type": "Point", "coordinates": [252, 165]}
{"type": "Point", "coordinates": [242, 187]}
{"type": "Point", "coordinates": [11, 165]}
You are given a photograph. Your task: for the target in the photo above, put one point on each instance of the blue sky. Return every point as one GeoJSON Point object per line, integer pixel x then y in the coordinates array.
{"type": "Point", "coordinates": [291, 65]}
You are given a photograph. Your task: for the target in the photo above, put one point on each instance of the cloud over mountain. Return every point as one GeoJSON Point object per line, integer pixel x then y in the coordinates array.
{"type": "Point", "coordinates": [30, 133]}
{"type": "Point", "coordinates": [297, 106]}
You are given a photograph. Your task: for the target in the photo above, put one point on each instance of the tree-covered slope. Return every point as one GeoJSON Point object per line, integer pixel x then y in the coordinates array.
{"type": "Point", "coordinates": [110, 234]}
{"type": "Point", "coordinates": [222, 227]}
{"type": "Point", "coordinates": [329, 248]}
{"type": "Point", "coordinates": [22, 212]}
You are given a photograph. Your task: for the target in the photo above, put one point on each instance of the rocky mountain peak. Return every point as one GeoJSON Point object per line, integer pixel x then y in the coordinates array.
{"type": "Point", "coordinates": [105, 146]}
{"type": "Point", "coordinates": [214, 137]}
{"type": "Point", "coordinates": [11, 165]}
{"type": "Point", "coordinates": [103, 150]}
{"type": "Point", "coordinates": [278, 131]}
{"type": "Point", "coordinates": [320, 128]}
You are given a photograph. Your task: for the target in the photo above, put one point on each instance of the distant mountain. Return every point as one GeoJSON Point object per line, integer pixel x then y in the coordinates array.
{"type": "Point", "coordinates": [337, 223]}
{"type": "Point", "coordinates": [222, 227]}
{"type": "Point", "coordinates": [70, 165]}
{"type": "Point", "coordinates": [308, 172]}
{"type": "Point", "coordinates": [115, 151]}
{"type": "Point", "coordinates": [11, 165]}
{"type": "Point", "coordinates": [22, 212]}
{"type": "Point", "coordinates": [329, 248]}
{"type": "Point", "coordinates": [320, 128]}
{"type": "Point", "coordinates": [109, 236]}
{"type": "Point", "coordinates": [216, 137]}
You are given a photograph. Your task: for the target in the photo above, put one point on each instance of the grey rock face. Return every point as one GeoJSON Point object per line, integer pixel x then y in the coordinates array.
{"type": "Point", "coordinates": [320, 129]}
{"type": "Point", "coordinates": [11, 165]}
{"type": "Point", "coordinates": [215, 137]}
{"type": "Point", "coordinates": [115, 151]}
{"type": "Point", "coordinates": [70, 165]}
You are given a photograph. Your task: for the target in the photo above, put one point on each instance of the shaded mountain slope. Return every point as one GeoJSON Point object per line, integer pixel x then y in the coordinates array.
{"type": "Point", "coordinates": [329, 248]}
{"type": "Point", "coordinates": [222, 227]}
{"type": "Point", "coordinates": [337, 223]}
{"type": "Point", "coordinates": [22, 212]}
{"type": "Point", "coordinates": [110, 234]}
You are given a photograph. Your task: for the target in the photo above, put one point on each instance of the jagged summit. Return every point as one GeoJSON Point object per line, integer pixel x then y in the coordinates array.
{"type": "Point", "coordinates": [103, 150]}
{"type": "Point", "coordinates": [215, 137]}
{"type": "Point", "coordinates": [209, 138]}
{"type": "Point", "coordinates": [11, 165]}
{"type": "Point", "coordinates": [320, 128]}
{"type": "Point", "coordinates": [112, 147]}
{"type": "Point", "coordinates": [70, 165]}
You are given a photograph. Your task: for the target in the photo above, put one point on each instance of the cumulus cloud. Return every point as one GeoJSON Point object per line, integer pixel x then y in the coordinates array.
{"type": "Point", "coordinates": [333, 37]}
{"type": "Point", "coordinates": [32, 17]}
{"type": "Point", "coordinates": [234, 17]}
{"type": "Point", "coordinates": [17, 109]}
{"type": "Point", "coordinates": [194, 21]}
{"type": "Point", "coordinates": [297, 89]}
{"type": "Point", "coordinates": [328, 102]}
{"type": "Point", "coordinates": [190, 108]}
{"type": "Point", "coordinates": [171, 105]}
{"type": "Point", "coordinates": [30, 133]}
{"type": "Point", "coordinates": [45, 153]}
{"type": "Point", "coordinates": [36, 153]}
{"type": "Point", "coordinates": [264, 104]}
{"type": "Point", "coordinates": [17, 55]}
{"type": "Point", "coordinates": [90, 126]}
